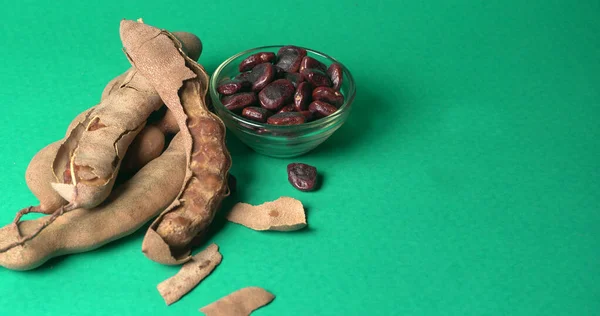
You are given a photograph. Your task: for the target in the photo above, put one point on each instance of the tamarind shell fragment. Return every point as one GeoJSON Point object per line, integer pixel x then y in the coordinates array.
{"type": "Point", "coordinates": [241, 302]}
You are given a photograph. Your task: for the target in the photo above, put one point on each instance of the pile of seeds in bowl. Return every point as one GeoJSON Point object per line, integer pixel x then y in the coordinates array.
{"type": "Point", "coordinates": [289, 88]}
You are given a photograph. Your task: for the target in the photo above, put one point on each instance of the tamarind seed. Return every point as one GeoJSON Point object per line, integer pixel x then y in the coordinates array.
{"type": "Point", "coordinates": [308, 115]}
{"type": "Point", "coordinates": [321, 109]}
{"type": "Point", "coordinates": [328, 95]}
{"type": "Point", "coordinates": [276, 94]}
{"type": "Point", "coordinates": [309, 62]}
{"type": "Point", "coordinates": [244, 76]}
{"type": "Point", "coordinates": [302, 96]}
{"type": "Point", "coordinates": [256, 114]}
{"type": "Point", "coordinates": [302, 176]}
{"type": "Point", "coordinates": [286, 118]}
{"type": "Point", "coordinates": [232, 86]}
{"type": "Point", "coordinates": [335, 73]}
{"type": "Point", "coordinates": [289, 58]}
{"type": "Point", "coordinates": [255, 59]}
{"type": "Point", "coordinates": [316, 77]}
{"type": "Point", "coordinates": [238, 101]}
{"type": "Point", "coordinates": [261, 75]}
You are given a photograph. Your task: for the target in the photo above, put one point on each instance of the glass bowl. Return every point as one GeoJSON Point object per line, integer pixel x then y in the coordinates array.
{"type": "Point", "coordinates": [277, 140]}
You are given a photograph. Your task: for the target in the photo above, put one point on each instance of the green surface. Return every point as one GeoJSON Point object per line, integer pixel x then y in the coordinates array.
{"type": "Point", "coordinates": [464, 183]}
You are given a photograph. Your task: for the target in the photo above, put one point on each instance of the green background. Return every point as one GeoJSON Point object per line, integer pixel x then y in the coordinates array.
{"type": "Point", "coordinates": [465, 181]}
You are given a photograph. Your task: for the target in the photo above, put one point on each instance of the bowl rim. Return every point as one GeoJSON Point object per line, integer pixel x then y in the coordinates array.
{"type": "Point", "coordinates": [345, 107]}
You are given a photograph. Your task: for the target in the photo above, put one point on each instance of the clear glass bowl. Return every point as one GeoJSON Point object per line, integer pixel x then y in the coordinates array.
{"type": "Point", "coordinates": [275, 140]}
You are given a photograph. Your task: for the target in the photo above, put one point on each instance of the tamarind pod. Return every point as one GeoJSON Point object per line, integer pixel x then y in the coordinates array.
{"type": "Point", "coordinates": [210, 163]}
{"type": "Point", "coordinates": [94, 191]}
{"type": "Point", "coordinates": [114, 84]}
{"type": "Point", "coordinates": [190, 43]}
{"type": "Point", "coordinates": [89, 159]}
{"type": "Point", "coordinates": [182, 85]}
{"type": "Point", "coordinates": [148, 145]}
{"type": "Point", "coordinates": [38, 177]}
{"type": "Point", "coordinates": [86, 165]}
{"type": "Point", "coordinates": [132, 204]}
{"type": "Point", "coordinates": [168, 124]}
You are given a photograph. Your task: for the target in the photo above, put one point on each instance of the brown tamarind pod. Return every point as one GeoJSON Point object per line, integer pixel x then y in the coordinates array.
{"type": "Point", "coordinates": [89, 159]}
{"type": "Point", "coordinates": [39, 176]}
{"type": "Point", "coordinates": [190, 44]}
{"type": "Point", "coordinates": [148, 145]}
{"type": "Point", "coordinates": [182, 84]}
{"type": "Point", "coordinates": [132, 204]}
{"type": "Point", "coordinates": [114, 84]}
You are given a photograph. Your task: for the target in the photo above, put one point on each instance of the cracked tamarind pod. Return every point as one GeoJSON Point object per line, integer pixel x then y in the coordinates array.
{"type": "Point", "coordinates": [182, 84]}
{"type": "Point", "coordinates": [39, 172]}
{"type": "Point", "coordinates": [147, 145]}
{"type": "Point", "coordinates": [88, 160]}
{"type": "Point", "coordinates": [39, 177]}
{"type": "Point", "coordinates": [131, 205]}
{"type": "Point", "coordinates": [84, 168]}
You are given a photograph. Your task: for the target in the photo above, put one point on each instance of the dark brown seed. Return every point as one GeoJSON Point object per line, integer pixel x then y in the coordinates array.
{"type": "Point", "coordinates": [308, 115]}
{"type": "Point", "coordinates": [244, 76]}
{"type": "Point", "coordinates": [294, 77]}
{"type": "Point", "coordinates": [232, 86]}
{"type": "Point", "coordinates": [256, 114]}
{"type": "Point", "coordinates": [316, 77]}
{"type": "Point", "coordinates": [302, 176]}
{"type": "Point", "coordinates": [287, 118]}
{"type": "Point", "coordinates": [328, 95]}
{"type": "Point", "coordinates": [261, 75]}
{"type": "Point", "coordinates": [290, 57]}
{"type": "Point", "coordinates": [287, 108]}
{"type": "Point", "coordinates": [335, 73]}
{"type": "Point", "coordinates": [302, 96]}
{"type": "Point", "coordinates": [238, 101]}
{"type": "Point", "coordinates": [321, 109]}
{"type": "Point", "coordinates": [276, 94]}
{"type": "Point", "coordinates": [258, 58]}
{"type": "Point", "coordinates": [309, 62]}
